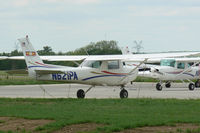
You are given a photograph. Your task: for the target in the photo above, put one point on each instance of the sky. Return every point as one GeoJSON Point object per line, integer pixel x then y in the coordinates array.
{"type": "Point", "coordinates": [65, 25]}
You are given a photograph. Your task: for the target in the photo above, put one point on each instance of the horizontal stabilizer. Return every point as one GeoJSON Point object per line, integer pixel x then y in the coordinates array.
{"type": "Point", "coordinates": [3, 57]}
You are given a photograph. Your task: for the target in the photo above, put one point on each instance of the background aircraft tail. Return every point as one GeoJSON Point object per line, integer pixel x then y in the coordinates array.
{"type": "Point", "coordinates": [31, 56]}
{"type": "Point", "coordinates": [125, 51]}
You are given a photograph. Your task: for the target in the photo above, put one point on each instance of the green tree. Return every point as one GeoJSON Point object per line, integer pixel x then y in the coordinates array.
{"type": "Point", "coordinates": [16, 53]}
{"type": "Point", "coordinates": [98, 48]}
{"type": "Point", "coordinates": [46, 51]}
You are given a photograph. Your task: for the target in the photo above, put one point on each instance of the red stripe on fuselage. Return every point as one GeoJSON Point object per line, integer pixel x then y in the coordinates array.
{"type": "Point", "coordinates": [115, 73]}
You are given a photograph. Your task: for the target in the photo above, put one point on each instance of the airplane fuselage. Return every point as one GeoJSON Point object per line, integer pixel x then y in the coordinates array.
{"type": "Point", "coordinates": [170, 73]}
{"type": "Point", "coordinates": [91, 76]}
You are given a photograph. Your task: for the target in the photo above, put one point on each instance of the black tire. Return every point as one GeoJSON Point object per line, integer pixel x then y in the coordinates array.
{"type": "Point", "coordinates": [123, 93]}
{"type": "Point", "coordinates": [191, 86]}
{"type": "Point", "coordinates": [80, 94]}
{"type": "Point", "coordinates": [197, 84]}
{"type": "Point", "coordinates": [158, 86]}
{"type": "Point", "coordinates": [168, 85]}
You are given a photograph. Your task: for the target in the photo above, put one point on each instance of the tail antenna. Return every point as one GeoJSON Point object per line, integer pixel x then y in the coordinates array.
{"type": "Point", "coordinates": [27, 38]}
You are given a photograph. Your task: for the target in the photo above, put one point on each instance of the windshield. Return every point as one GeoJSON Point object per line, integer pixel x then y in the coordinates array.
{"type": "Point", "coordinates": [167, 62]}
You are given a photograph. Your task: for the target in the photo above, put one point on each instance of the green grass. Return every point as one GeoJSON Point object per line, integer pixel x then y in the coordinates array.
{"type": "Point", "coordinates": [145, 79]}
{"type": "Point", "coordinates": [3, 73]}
{"type": "Point", "coordinates": [25, 82]}
{"type": "Point", "coordinates": [115, 114]}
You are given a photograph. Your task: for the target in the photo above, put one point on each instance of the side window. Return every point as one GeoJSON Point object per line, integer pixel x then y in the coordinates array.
{"type": "Point", "coordinates": [96, 64]}
{"type": "Point", "coordinates": [113, 64]}
{"type": "Point", "coordinates": [181, 65]}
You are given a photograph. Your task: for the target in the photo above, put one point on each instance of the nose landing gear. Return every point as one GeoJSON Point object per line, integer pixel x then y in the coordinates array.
{"type": "Point", "coordinates": [159, 86]}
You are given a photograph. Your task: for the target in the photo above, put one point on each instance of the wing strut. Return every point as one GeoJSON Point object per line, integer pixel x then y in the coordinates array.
{"type": "Point", "coordinates": [134, 69]}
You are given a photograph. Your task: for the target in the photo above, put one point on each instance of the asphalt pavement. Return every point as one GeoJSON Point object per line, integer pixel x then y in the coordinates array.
{"type": "Point", "coordinates": [136, 90]}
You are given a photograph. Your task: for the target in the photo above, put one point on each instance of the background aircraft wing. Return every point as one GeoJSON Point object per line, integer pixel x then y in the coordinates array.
{"type": "Point", "coordinates": [183, 59]}
{"type": "Point", "coordinates": [193, 59]}
{"type": "Point", "coordinates": [165, 55]}
{"type": "Point", "coordinates": [155, 58]}
{"type": "Point", "coordinates": [141, 57]}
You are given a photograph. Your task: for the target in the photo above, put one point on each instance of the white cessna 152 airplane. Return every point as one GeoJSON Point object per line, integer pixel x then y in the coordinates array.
{"type": "Point", "coordinates": [170, 69]}
{"type": "Point", "coordinates": [108, 70]}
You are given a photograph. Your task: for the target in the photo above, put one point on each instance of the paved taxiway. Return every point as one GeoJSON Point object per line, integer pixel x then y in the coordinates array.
{"type": "Point", "coordinates": [137, 90]}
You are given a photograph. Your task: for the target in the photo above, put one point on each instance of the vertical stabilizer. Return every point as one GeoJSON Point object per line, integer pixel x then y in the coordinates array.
{"type": "Point", "coordinates": [31, 56]}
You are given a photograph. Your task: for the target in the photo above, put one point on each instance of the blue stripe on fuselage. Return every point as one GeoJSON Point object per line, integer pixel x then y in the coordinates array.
{"type": "Point", "coordinates": [42, 66]}
{"type": "Point", "coordinates": [101, 76]}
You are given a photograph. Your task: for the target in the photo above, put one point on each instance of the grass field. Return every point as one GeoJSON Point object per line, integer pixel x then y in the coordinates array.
{"type": "Point", "coordinates": [114, 114]}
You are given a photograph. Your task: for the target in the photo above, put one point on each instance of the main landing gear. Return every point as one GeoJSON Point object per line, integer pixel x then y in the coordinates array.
{"type": "Point", "coordinates": [159, 85]}
{"type": "Point", "coordinates": [81, 94]}
{"type": "Point", "coordinates": [197, 83]}
{"type": "Point", "coordinates": [192, 85]}
{"type": "Point", "coordinates": [167, 84]}
{"type": "Point", "coordinates": [123, 93]}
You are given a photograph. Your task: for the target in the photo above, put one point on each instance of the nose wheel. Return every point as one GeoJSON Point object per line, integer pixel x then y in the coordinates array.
{"type": "Point", "coordinates": [159, 86]}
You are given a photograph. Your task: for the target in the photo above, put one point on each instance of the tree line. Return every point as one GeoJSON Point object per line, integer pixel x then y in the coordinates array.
{"type": "Point", "coordinates": [94, 48]}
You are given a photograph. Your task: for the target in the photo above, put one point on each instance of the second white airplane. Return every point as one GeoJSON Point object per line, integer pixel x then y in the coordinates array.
{"type": "Point", "coordinates": [170, 69]}
{"type": "Point", "coordinates": [173, 69]}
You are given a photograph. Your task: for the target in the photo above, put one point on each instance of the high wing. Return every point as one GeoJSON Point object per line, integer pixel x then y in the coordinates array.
{"type": "Point", "coordinates": [133, 57]}
{"type": "Point", "coordinates": [184, 59]}
{"type": "Point", "coordinates": [53, 58]}
{"type": "Point", "coordinates": [194, 59]}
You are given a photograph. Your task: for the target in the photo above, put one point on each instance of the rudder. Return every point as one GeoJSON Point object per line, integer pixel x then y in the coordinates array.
{"type": "Point", "coordinates": [31, 56]}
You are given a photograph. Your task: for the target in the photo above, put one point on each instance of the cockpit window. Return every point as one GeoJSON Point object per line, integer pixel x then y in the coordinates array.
{"type": "Point", "coordinates": [113, 64]}
{"type": "Point", "coordinates": [167, 62]}
{"type": "Point", "coordinates": [93, 64]}
{"type": "Point", "coordinates": [181, 65]}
